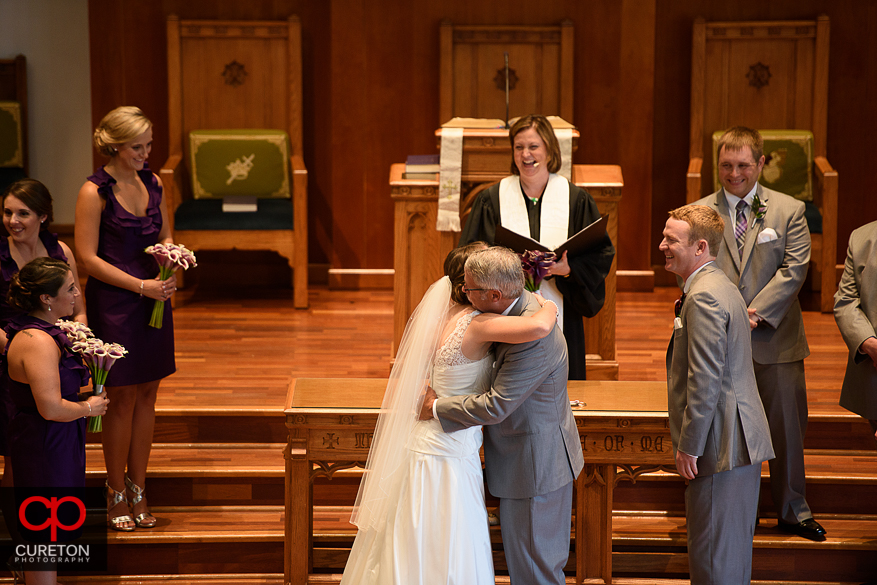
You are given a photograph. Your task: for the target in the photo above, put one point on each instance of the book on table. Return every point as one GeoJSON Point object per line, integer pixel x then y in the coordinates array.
{"type": "Point", "coordinates": [420, 176]}
{"type": "Point", "coordinates": [497, 124]}
{"type": "Point", "coordinates": [422, 163]}
{"type": "Point", "coordinates": [580, 242]}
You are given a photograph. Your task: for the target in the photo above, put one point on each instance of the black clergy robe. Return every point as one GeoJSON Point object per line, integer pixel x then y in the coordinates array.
{"type": "Point", "coordinates": [584, 290]}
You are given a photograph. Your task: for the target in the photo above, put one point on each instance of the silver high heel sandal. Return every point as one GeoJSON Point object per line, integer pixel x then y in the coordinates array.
{"type": "Point", "coordinates": [145, 519]}
{"type": "Point", "coordinates": [114, 498]}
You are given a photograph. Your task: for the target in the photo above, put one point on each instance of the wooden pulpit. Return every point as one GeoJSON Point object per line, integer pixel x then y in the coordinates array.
{"type": "Point", "coordinates": [420, 249]}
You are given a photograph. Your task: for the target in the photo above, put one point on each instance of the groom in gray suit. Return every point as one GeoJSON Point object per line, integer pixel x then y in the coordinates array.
{"type": "Point", "coordinates": [717, 423]}
{"type": "Point", "coordinates": [765, 253]}
{"type": "Point", "coordinates": [531, 445]}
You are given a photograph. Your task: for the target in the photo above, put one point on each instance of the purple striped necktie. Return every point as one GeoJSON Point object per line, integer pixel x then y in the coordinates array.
{"type": "Point", "coordinates": [742, 224]}
{"type": "Point", "coordinates": [677, 307]}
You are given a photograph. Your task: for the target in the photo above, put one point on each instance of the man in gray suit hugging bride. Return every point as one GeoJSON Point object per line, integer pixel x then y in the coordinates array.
{"type": "Point", "coordinates": [531, 446]}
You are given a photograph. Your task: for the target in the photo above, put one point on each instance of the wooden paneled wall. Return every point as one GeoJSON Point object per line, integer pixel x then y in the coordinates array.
{"type": "Point", "coordinates": [371, 97]}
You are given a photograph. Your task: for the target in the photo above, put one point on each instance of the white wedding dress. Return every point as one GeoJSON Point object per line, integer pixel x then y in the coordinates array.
{"type": "Point", "coordinates": [436, 530]}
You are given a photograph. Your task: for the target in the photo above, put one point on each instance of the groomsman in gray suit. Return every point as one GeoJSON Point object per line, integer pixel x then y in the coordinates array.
{"type": "Point", "coordinates": [765, 252]}
{"type": "Point", "coordinates": [532, 450]}
{"type": "Point", "coordinates": [855, 310]}
{"type": "Point", "coordinates": [717, 423]}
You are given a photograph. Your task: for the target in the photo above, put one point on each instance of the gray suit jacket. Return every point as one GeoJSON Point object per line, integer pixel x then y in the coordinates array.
{"type": "Point", "coordinates": [770, 274]}
{"type": "Point", "coordinates": [715, 410]}
{"type": "Point", "coordinates": [855, 310]}
{"type": "Point", "coordinates": [531, 444]}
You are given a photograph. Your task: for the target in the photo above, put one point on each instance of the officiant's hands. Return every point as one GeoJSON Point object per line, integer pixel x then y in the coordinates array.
{"type": "Point", "coordinates": [428, 398]}
{"type": "Point", "coordinates": [561, 267]}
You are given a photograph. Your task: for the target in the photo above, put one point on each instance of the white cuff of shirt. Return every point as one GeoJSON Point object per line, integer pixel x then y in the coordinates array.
{"type": "Point", "coordinates": [434, 413]}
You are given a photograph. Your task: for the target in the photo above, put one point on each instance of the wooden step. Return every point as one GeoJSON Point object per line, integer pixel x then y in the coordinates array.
{"type": "Point", "coordinates": [206, 474]}
{"type": "Point", "coordinates": [655, 544]}
{"type": "Point", "coordinates": [195, 579]}
{"type": "Point", "coordinates": [833, 427]}
{"type": "Point", "coordinates": [215, 425]}
{"type": "Point", "coordinates": [189, 411]}
{"type": "Point", "coordinates": [202, 539]}
{"type": "Point", "coordinates": [838, 481]}
{"type": "Point", "coordinates": [335, 579]}
{"type": "Point", "coordinates": [202, 460]}
{"type": "Point", "coordinates": [848, 554]}
{"type": "Point", "coordinates": [228, 474]}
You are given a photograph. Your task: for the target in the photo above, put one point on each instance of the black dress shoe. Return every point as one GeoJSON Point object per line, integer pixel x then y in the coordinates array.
{"type": "Point", "coordinates": [809, 528]}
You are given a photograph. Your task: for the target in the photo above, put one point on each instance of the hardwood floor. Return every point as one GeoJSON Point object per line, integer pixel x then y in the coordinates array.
{"type": "Point", "coordinates": [243, 346]}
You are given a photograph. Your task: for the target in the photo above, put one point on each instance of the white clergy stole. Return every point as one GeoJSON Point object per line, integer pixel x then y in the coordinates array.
{"type": "Point", "coordinates": [553, 221]}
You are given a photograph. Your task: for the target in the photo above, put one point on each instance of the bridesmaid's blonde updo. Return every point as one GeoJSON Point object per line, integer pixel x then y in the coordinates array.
{"type": "Point", "coordinates": [123, 124]}
{"type": "Point", "coordinates": [40, 276]}
{"type": "Point", "coordinates": [455, 262]}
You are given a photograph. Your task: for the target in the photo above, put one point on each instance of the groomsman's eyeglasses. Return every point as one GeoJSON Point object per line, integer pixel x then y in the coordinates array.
{"type": "Point", "coordinates": [466, 291]}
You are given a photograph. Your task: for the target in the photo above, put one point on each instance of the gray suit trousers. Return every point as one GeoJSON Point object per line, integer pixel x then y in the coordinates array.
{"type": "Point", "coordinates": [784, 396]}
{"type": "Point", "coordinates": [720, 513]}
{"type": "Point", "coordinates": [535, 536]}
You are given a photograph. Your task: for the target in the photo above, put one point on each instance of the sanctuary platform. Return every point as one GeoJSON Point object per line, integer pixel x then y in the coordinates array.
{"type": "Point", "coordinates": [216, 479]}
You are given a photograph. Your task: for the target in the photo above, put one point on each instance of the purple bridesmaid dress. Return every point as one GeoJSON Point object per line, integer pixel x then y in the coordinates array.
{"type": "Point", "coordinates": [8, 268]}
{"type": "Point", "coordinates": [46, 453]}
{"type": "Point", "coordinates": [120, 316]}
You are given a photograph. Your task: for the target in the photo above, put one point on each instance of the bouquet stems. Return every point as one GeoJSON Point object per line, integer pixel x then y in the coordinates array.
{"type": "Point", "coordinates": [95, 423]}
{"type": "Point", "coordinates": [157, 318]}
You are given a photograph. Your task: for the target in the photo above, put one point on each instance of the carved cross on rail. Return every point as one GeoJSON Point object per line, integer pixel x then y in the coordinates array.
{"type": "Point", "coordinates": [330, 440]}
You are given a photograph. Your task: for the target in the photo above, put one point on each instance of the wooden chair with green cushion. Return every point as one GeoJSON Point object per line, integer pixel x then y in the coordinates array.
{"type": "Point", "coordinates": [13, 120]}
{"type": "Point", "coordinates": [235, 125]}
{"type": "Point", "coordinates": [770, 75]}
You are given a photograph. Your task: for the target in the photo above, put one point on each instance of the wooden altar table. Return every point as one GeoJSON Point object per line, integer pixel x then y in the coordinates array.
{"type": "Point", "coordinates": [420, 250]}
{"type": "Point", "coordinates": [623, 427]}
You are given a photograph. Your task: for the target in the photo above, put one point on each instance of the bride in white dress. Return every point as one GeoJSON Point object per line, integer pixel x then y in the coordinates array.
{"type": "Point", "coordinates": [420, 509]}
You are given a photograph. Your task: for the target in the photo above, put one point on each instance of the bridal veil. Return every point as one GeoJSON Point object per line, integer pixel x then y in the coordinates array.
{"type": "Point", "coordinates": [403, 398]}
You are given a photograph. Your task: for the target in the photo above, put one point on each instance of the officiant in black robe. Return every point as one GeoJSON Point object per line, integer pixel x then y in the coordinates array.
{"type": "Point", "coordinates": [536, 202]}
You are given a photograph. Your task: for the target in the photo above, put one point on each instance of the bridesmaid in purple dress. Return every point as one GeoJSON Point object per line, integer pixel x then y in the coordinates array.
{"type": "Point", "coordinates": [120, 211]}
{"type": "Point", "coordinates": [47, 433]}
{"type": "Point", "coordinates": [27, 213]}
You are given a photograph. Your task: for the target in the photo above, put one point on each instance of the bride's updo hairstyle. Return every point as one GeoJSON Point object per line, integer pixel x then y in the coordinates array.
{"type": "Point", "coordinates": [455, 263]}
{"type": "Point", "coordinates": [122, 125]}
{"type": "Point", "coordinates": [40, 276]}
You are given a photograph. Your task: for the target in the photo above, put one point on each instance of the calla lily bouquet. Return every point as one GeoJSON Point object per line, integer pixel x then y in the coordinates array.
{"type": "Point", "coordinates": [536, 265]}
{"type": "Point", "coordinates": [98, 357]}
{"type": "Point", "coordinates": [170, 258]}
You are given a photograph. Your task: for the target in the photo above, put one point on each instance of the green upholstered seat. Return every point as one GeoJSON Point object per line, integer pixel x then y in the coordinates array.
{"type": "Point", "coordinates": [207, 214]}
{"type": "Point", "coordinates": [239, 162]}
{"type": "Point", "coordinates": [232, 163]}
{"type": "Point", "coordinates": [11, 150]}
{"type": "Point", "coordinates": [11, 145]}
{"type": "Point", "coordinates": [788, 168]}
